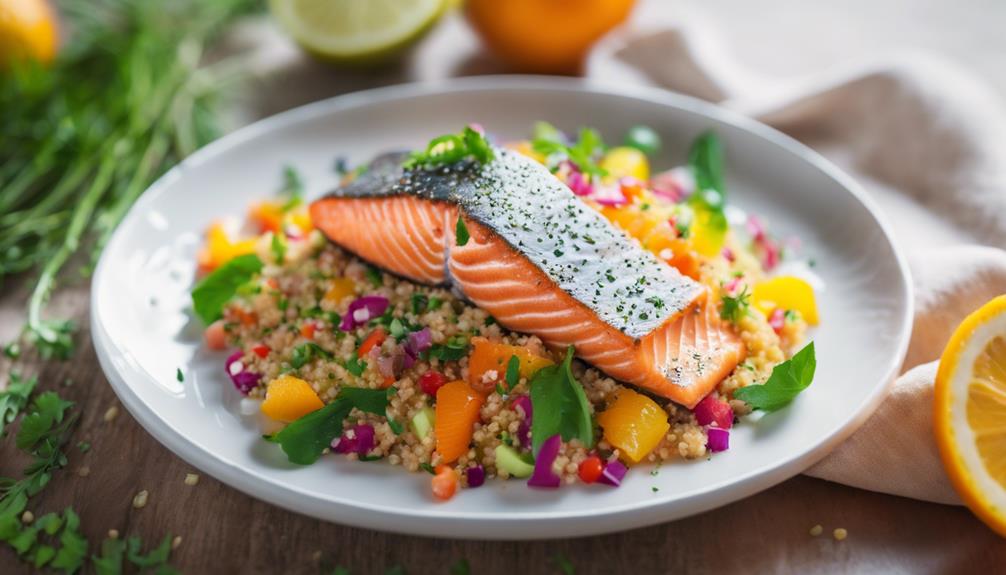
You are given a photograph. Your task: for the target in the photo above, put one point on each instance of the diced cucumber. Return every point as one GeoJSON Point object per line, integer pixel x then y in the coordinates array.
{"type": "Point", "coordinates": [513, 463]}
{"type": "Point", "coordinates": [422, 422]}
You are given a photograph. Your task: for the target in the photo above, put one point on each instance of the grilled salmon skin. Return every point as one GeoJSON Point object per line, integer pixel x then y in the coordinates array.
{"type": "Point", "coordinates": [541, 262]}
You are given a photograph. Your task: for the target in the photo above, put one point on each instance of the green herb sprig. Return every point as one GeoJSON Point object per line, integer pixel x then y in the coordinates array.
{"type": "Point", "coordinates": [559, 405]}
{"type": "Point", "coordinates": [452, 148]}
{"type": "Point", "coordinates": [128, 97]}
{"type": "Point", "coordinates": [788, 379]}
{"type": "Point", "coordinates": [584, 152]}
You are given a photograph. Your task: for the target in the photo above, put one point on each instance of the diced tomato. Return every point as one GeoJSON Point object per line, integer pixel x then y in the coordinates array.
{"type": "Point", "coordinates": [261, 350]}
{"type": "Point", "coordinates": [445, 483]}
{"type": "Point", "coordinates": [431, 381]}
{"type": "Point", "coordinates": [388, 382]}
{"type": "Point", "coordinates": [590, 469]}
{"type": "Point", "coordinates": [373, 340]}
{"type": "Point", "coordinates": [216, 338]}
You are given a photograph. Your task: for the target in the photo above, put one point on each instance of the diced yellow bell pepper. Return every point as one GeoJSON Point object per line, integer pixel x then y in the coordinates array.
{"type": "Point", "coordinates": [288, 398]}
{"type": "Point", "coordinates": [340, 290]}
{"type": "Point", "coordinates": [623, 162]}
{"type": "Point", "coordinates": [635, 424]}
{"type": "Point", "coordinates": [302, 219]}
{"type": "Point", "coordinates": [708, 232]}
{"type": "Point", "coordinates": [220, 249]}
{"type": "Point", "coordinates": [788, 293]}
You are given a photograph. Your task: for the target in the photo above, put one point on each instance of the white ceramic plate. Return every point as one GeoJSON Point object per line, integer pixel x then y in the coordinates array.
{"type": "Point", "coordinates": [143, 330]}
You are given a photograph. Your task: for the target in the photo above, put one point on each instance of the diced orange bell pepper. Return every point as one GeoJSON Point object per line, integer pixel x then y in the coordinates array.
{"type": "Point", "coordinates": [488, 355]}
{"type": "Point", "coordinates": [340, 290]}
{"type": "Point", "coordinates": [675, 251]}
{"type": "Point", "coordinates": [267, 215]}
{"type": "Point", "coordinates": [457, 411]}
{"type": "Point", "coordinates": [634, 424]}
{"type": "Point", "coordinates": [307, 330]}
{"type": "Point", "coordinates": [373, 340]}
{"type": "Point", "coordinates": [288, 398]}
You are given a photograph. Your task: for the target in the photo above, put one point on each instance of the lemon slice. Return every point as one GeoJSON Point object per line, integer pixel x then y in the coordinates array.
{"type": "Point", "coordinates": [970, 412]}
{"type": "Point", "coordinates": [356, 30]}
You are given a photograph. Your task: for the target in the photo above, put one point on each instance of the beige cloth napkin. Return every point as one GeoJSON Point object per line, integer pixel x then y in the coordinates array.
{"type": "Point", "coordinates": [929, 142]}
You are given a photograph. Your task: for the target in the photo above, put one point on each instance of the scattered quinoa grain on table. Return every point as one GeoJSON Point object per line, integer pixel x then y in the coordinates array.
{"type": "Point", "coordinates": [840, 534]}
{"type": "Point", "coordinates": [816, 530]}
{"type": "Point", "coordinates": [140, 499]}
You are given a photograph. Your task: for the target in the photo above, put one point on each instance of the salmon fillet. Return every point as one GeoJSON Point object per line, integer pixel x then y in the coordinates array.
{"type": "Point", "coordinates": [541, 262]}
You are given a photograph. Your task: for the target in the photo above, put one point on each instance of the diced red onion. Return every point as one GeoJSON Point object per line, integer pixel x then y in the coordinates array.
{"type": "Point", "coordinates": [613, 473]}
{"type": "Point", "coordinates": [719, 439]}
{"type": "Point", "coordinates": [387, 367]}
{"type": "Point", "coordinates": [243, 380]}
{"type": "Point", "coordinates": [755, 228]}
{"type": "Point", "coordinates": [770, 257]}
{"type": "Point", "coordinates": [362, 310]}
{"type": "Point", "coordinates": [673, 184]}
{"type": "Point", "coordinates": [407, 360]}
{"type": "Point", "coordinates": [357, 439]}
{"type": "Point", "coordinates": [524, 429]}
{"type": "Point", "coordinates": [476, 476]}
{"type": "Point", "coordinates": [728, 254]}
{"type": "Point", "coordinates": [777, 319]}
{"type": "Point", "coordinates": [731, 285]}
{"type": "Point", "coordinates": [418, 341]}
{"type": "Point", "coordinates": [612, 201]}
{"type": "Point", "coordinates": [579, 183]}
{"type": "Point", "coordinates": [543, 476]}
{"type": "Point", "coordinates": [713, 410]}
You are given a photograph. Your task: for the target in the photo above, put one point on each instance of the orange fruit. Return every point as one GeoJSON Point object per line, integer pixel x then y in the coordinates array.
{"type": "Point", "coordinates": [544, 36]}
{"type": "Point", "coordinates": [969, 417]}
{"type": "Point", "coordinates": [27, 31]}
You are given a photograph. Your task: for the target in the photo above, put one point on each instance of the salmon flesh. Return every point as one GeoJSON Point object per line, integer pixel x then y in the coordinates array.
{"type": "Point", "coordinates": [541, 262]}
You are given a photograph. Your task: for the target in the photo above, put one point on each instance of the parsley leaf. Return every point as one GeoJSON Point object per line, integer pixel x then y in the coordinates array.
{"type": "Point", "coordinates": [734, 308]}
{"type": "Point", "coordinates": [456, 348]}
{"type": "Point", "coordinates": [305, 439]}
{"type": "Point", "coordinates": [461, 231]}
{"type": "Point", "coordinates": [419, 303]}
{"type": "Point", "coordinates": [559, 405]}
{"type": "Point", "coordinates": [179, 375]}
{"type": "Point", "coordinates": [355, 366]}
{"type": "Point", "coordinates": [788, 379]}
{"type": "Point", "coordinates": [512, 376]}
{"type": "Point", "coordinates": [374, 275]}
{"type": "Point", "coordinates": [293, 187]}
{"type": "Point", "coordinates": [427, 468]}
{"type": "Point", "coordinates": [278, 248]}
{"type": "Point", "coordinates": [550, 142]}
{"type": "Point", "coordinates": [305, 352]}
{"type": "Point", "coordinates": [14, 398]}
{"type": "Point", "coordinates": [213, 292]}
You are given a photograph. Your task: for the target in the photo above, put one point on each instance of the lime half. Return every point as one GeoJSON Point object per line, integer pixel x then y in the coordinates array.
{"type": "Point", "coordinates": [356, 30]}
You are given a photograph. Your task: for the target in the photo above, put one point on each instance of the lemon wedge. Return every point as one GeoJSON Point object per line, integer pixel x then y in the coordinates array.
{"type": "Point", "coordinates": [356, 30]}
{"type": "Point", "coordinates": [970, 412]}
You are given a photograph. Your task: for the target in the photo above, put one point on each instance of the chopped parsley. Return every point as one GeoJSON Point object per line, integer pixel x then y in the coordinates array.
{"type": "Point", "coordinates": [588, 146]}
{"type": "Point", "coordinates": [355, 366]}
{"type": "Point", "coordinates": [293, 188]}
{"type": "Point", "coordinates": [14, 398]}
{"type": "Point", "coordinates": [179, 375]}
{"type": "Point", "coordinates": [427, 468]}
{"type": "Point", "coordinates": [278, 248]}
{"type": "Point", "coordinates": [374, 275]}
{"type": "Point", "coordinates": [419, 303]}
{"type": "Point", "coordinates": [734, 308]}
{"type": "Point", "coordinates": [788, 379]}
{"type": "Point", "coordinates": [455, 349]}
{"type": "Point", "coordinates": [461, 231]}
{"type": "Point", "coordinates": [305, 352]}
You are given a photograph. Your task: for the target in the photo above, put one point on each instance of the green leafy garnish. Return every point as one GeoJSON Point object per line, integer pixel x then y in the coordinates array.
{"type": "Point", "coordinates": [293, 188]}
{"type": "Point", "coordinates": [12, 350]}
{"type": "Point", "coordinates": [734, 308]}
{"type": "Point", "coordinates": [788, 379]}
{"type": "Point", "coordinates": [456, 348]}
{"type": "Point", "coordinates": [213, 292]}
{"type": "Point", "coordinates": [356, 366]}
{"type": "Point", "coordinates": [14, 398]}
{"type": "Point", "coordinates": [559, 405]}
{"type": "Point", "coordinates": [427, 468]}
{"type": "Point", "coordinates": [419, 303]}
{"type": "Point", "coordinates": [179, 375]}
{"type": "Point", "coordinates": [304, 440]}
{"type": "Point", "coordinates": [396, 427]}
{"type": "Point", "coordinates": [461, 231]}
{"type": "Point", "coordinates": [709, 199]}
{"type": "Point", "coordinates": [452, 148]}
{"type": "Point", "coordinates": [512, 376]}
{"type": "Point", "coordinates": [584, 152]}
{"type": "Point", "coordinates": [305, 352]}
{"type": "Point", "coordinates": [278, 248]}
{"type": "Point", "coordinates": [374, 275]}
{"type": "Point", "coordinates": [435, 304]}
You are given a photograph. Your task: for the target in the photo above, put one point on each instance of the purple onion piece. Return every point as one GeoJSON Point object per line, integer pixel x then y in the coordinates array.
{"type": "Point", "coordinates": [543, 476]}
{"type": "Point", "coordinates": [386, 365]}
{"type": "Point", "coordinates": [407, 360]}
{"type": "Point", "coordinates": [374, 306]}
{"type": "Point", "coordinates": [523, 402]}
{"type": "Point", "coordinates": [357, 439]}
{"type": "Point", "coordinates": [524, 434]}
{"type": "Point", "coordinates": [719, 439]}
{"type": "Point", "coordinates": [578, 183]}
{"type": "Point", "coordinates": [476, 476]}
{"type": "Point", "coordinates": [244, 381]}
{"type": "Point", "coordinates": [418, 341]}
{"type": "Point", "coordinates": [613, 473]}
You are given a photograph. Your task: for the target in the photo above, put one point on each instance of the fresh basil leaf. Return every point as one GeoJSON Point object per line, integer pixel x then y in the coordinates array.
{"type": "Point", "coordinates": [788, 379]}
{"type": "Point", "coordinates": [461, 231]}
{"type": "Point", "coordinates": [213, 292]}
{"type": "Point", "coordinates": [559, 405]}
{"type": "Point", "coordinates": [305, 439]}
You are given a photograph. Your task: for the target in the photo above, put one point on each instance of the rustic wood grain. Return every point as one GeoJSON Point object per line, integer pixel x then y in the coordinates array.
{"type": "Point", "coordinates": [225, 531]}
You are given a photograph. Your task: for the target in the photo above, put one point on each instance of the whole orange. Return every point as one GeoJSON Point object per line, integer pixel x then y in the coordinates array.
{"type": "Point", "coordinates": [27, 30]}
{"type": "Point", "coordinates": [545, 36]}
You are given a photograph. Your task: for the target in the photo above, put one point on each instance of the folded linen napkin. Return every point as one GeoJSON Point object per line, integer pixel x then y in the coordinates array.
{"type": "Point", "coordinates": [926, 140]}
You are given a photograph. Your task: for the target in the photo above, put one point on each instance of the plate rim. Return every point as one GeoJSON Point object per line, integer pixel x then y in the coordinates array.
{"type": "Point", "coordinates": [500, 527]}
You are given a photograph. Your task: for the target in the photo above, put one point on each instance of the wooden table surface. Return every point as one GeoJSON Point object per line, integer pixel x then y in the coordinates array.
{"type": "Point", "coordinates": [225, 531]}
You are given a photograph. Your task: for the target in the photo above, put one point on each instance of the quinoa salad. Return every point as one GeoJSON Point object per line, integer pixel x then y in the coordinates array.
{"type": "Point", "coordinates": [347, 359]}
